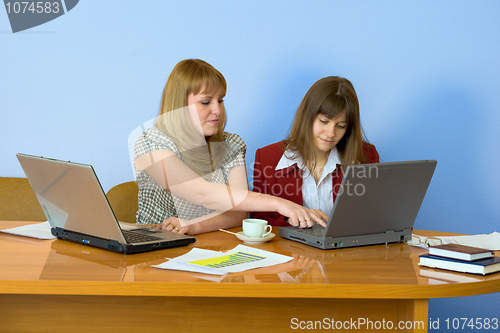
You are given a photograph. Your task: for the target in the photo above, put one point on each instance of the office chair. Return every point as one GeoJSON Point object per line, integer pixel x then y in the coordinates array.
{"type": "Point", "coordinates": [18, 201]}
{"type": "Point", "coordinates": [123, 199]}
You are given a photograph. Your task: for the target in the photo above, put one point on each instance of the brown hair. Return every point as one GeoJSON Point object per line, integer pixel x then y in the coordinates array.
{"type": "Point", "coordinates": [329, 96]}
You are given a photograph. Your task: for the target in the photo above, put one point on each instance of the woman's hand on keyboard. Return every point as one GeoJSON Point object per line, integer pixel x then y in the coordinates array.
{"type": "Point", "coordinates": [172, 224]}
{"type": "Point", "coordinates": [323, 216]}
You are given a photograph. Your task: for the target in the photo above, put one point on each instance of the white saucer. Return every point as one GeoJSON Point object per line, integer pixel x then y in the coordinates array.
{"type": "Point", "coordinates": [252, 240]}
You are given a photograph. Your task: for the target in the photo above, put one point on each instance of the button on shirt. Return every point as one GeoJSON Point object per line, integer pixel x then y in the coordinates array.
{"type": "Point", "coordinates": [314, 196]}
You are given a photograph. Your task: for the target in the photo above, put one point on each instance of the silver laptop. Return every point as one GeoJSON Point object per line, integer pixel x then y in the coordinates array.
{"type": "Point", "coordinates": [77, 209]}
{"type": "Point", "coordinates": [376, 203]}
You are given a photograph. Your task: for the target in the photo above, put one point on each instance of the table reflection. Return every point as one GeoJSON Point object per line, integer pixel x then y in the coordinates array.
{"type": "Point", "coordinates": [378, 264]}
{"type": "Point", "coordinates": [74, 262]}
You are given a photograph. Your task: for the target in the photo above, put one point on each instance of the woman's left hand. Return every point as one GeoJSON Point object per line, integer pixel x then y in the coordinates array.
{"type": "Point", "coordinates": [173, 224]}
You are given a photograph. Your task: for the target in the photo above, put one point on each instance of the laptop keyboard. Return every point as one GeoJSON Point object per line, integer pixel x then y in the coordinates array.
{"type": "Point", "coordinates": [316, 232]}
{"type": "Point", "coordinates": [133, 237]}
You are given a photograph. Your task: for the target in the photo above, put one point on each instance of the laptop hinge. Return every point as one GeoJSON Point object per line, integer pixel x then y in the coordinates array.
{"type": "Point", "coordinates": [391, 231]}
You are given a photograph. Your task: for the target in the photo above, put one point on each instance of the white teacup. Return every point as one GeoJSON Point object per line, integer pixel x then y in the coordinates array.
{"type": "Point", "coordinates": [256, 228]}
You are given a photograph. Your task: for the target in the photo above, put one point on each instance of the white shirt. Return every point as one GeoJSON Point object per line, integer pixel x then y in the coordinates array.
{"type": "Point", "coordinates": [314, 196]}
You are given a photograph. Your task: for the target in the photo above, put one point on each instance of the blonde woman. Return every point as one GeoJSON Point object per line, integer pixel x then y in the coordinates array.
{"type": "Point", "coordinates": [191, 174]}
{"type": "Point", "coordinates": [306, 168]}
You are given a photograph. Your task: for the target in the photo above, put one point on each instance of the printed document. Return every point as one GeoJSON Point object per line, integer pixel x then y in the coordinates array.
{"type": "Point", "coordinates": [239, 259]}
{"type": "Point", "coordinates": [37, 230]}
{"type": "Point", "coordinates": [483, 241]}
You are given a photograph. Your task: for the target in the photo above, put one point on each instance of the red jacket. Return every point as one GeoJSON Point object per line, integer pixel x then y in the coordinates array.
{"type": "Point", "coordinates": [287, 183]}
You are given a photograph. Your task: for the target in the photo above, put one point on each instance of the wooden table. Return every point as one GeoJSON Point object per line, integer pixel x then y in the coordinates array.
{"type": "Point", "coordinates": [58, 286]}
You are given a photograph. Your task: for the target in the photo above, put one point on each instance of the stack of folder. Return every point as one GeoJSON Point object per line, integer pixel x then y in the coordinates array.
{"type": "Point", "coordinates": [461, 258]}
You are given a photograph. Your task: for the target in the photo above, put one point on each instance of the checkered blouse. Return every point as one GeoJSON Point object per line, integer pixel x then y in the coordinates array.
{"type": "Point", "coordinates": [157, 204]}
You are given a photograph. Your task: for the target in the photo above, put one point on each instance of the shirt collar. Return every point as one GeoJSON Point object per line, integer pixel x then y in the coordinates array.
{"type": "Point", "coordinates": [333, 160]}
{"type": "Point", "coordinates": [286, 162]}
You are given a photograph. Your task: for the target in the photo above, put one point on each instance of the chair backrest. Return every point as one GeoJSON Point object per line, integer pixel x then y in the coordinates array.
{"type": "Point", "coordinates": [18, 202]}
{"type": "Point", "coordinates": [123, 199]}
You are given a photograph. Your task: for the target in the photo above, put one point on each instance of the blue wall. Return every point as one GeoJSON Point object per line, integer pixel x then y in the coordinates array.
{"type": "Point", "coordinates": [426, 74]}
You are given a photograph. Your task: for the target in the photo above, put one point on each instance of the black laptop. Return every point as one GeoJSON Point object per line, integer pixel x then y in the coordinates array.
{"type": "Point", "coordinates": [77, 209]}
{"type": "Point", "coordinates": [376, 203]}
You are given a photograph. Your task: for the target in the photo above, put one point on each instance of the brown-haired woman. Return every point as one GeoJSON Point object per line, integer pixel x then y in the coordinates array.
{"type": "Point", "coordinates": [325, 138]}
{"type": "Point", "coordinates": [191, 174]}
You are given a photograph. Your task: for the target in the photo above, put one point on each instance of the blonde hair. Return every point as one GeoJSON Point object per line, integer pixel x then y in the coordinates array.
{"type": "Point", "coordinates": [329, 96]}
{"type": "Point", "coordinates": [190, 76]}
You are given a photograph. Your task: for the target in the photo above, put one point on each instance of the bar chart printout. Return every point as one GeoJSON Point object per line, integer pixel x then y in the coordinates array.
{"type": "Point", "coordinates": [229, 260]}
{"type": "Point", "coordinates": [239, 259]}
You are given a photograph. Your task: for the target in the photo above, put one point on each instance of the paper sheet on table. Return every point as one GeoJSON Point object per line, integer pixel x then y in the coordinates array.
{"type": "Point", "coordinates": [37, 230]}
{"type": "Point", "coordinates": [483, 241]}
{"type": "Point", "coordinates": [239, 259]}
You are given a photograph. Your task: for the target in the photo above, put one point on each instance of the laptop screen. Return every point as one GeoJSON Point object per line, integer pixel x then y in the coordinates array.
{"type": "Point", "coordinates": [375, 198]}
{"type": "Point", "coordinates": [71, 196]}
